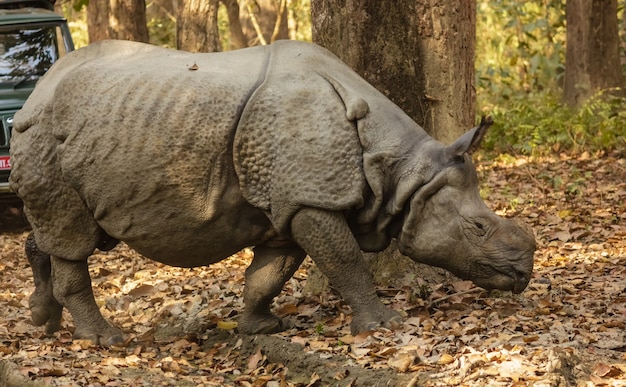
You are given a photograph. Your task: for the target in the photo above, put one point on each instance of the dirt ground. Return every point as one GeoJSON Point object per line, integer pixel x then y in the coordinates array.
{"type": "Point", "coordinates": [565, 329]}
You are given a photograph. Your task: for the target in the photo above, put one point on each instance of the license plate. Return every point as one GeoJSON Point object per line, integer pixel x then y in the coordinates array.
{"type": "Point", "coordinates": [5, 163]}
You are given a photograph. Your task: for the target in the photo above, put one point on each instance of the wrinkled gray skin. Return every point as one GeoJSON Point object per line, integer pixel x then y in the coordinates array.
{"type": "Point", "coordinates": [282, 148]}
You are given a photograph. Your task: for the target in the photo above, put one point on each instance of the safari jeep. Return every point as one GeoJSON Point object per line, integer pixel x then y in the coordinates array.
{"type": "Point", "coordinates": [32, 38]}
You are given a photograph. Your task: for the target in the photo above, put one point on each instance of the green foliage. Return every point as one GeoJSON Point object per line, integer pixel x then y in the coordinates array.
{"type": "Point", "coordinates": [161, 26]}
{"type": "Point", "coordinates": [78, 5]}
{"type": "Point", "coordinates": [520, 58]}
{"type": "Point", "coordinates": [539, 123]}
{"type": "Point", "coordinates": [300, 17]}
{"type": "Point", "coordinates": [77, 21]}
{"type": "Point", "coordinates": [520, 45]}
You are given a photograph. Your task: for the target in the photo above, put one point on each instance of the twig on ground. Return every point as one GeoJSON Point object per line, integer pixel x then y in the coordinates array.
{"type": "Point", "coordinates": [444, 298]}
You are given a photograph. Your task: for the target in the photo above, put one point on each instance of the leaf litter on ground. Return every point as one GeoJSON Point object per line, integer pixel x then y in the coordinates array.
{"type": "Point", "coordinates": [566, 328]}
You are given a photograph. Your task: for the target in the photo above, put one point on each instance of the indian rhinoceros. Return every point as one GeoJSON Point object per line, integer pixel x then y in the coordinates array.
{"type": "Point", "coordinates": [189, 158]}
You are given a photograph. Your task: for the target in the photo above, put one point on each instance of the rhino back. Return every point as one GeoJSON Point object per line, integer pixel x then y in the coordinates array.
{"type": "Point", "coordinates": [145, 140]}
{"type": "Point", "coordinates": [316, 134]}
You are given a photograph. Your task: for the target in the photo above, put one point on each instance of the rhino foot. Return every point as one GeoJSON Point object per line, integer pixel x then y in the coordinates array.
{"type": "Point", "coordinates": [106, 336]}
{"type": "Point", "coordinates": [45, 309]}
{"type": "Point", "coordinates": [260, 324]}
{"type": "Point", "coordinates": [372, 320]}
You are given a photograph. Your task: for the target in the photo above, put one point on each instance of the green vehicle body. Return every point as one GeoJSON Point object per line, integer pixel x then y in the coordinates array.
{"type": "Point", "coordinates": [32, 38]}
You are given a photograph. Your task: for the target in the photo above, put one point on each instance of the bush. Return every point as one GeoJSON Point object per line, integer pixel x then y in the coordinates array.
{"type": "Point", "coordinates": [520, 56]}
{"type": "Point", "coordinates": [539, 124]}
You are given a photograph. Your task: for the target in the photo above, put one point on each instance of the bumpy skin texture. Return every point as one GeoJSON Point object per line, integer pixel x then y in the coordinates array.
{"type": "Point", "coordinates": [281, 147]}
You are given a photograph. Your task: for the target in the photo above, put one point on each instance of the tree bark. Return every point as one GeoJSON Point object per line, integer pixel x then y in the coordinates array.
{"type": "Point", "coordinates": [98, 21]}
{"type": "Point", "coordinates": [127, 20]}
{"type": "Point", "coordinates": [117, 19]}
{"type": "Point", "coordinates": [623, 35]}
{"type": "Point", "coordinates": [420, 53]}
{"type": "Point", "coordinates": [196, 26]}
{"type": "Point", "coordinates": [237, 38]}
{"type": "Point", "coordinates": [592, 59]}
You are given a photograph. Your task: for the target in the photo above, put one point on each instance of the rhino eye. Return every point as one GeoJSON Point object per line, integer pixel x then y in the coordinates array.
{"type": "Point", "coordinates": [480, 228]}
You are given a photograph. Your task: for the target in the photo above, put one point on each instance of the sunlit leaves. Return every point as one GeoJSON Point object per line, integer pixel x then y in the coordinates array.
{"type": "Point", "coordinates": [520, 45]}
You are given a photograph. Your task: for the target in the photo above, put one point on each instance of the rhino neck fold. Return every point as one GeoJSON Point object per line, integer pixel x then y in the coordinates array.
{"type": "Point", "coordinates": [399, 158]}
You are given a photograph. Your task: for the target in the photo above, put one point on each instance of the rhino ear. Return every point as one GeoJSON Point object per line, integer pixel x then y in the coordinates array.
{"type": "Point", "coordinates": [470, 141]}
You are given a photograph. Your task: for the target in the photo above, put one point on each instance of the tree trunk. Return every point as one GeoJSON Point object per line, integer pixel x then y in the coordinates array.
{"type": "Point", "coordinates": [419, 53]}
{"type": "Point", "coordinates": [117, 19]}
{"type": "Point", "coordinates": [592, 60]}
{"type": "Point", "coordinates": [98, 21]}
{"type": "Point", "coordinates": [623, 35]}
{"type": "Point", "coordinates": [196, 26]}
{"type": "Point", "coordinates": [237, 37]}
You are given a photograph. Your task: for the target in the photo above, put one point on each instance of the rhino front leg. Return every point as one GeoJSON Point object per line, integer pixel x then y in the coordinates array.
{"type": "Point", "coordinates": [44, 308]}
{"type": "Point", "coordinates": [326, 237]}
{"type": "Point", "coordinates": [265, 278]}
{"type": "Point", "coordinates": [71, 285]}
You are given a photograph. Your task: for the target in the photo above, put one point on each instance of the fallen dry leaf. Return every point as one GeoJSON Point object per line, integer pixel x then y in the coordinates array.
{"type": "Point", "coordinates": [606, 371]}
{"type": "Point", "coordinates": [254, 360]}
{"type": "Point", "coordinates": [401, 363]}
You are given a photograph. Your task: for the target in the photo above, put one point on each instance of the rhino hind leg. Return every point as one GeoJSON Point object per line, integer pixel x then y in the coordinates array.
{"type": "Point", "coordinates": [265, 278]}
{"type": "Point", "coordinates": [326, 237]}
{"type": "Point", "coordinates": [71, 286]}
{"type": "Point", "coordinates": [44, 308]}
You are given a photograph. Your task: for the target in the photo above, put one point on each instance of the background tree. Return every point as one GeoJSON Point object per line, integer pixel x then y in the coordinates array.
{"type": "Point", "coordinates": [237, 38]}
{"type": "Point", "coordinates": [117, 19]}
{"type": "Point", "coordinates": [264, 21]}
{"type": "Point", "coordinates": [622, 35]}
{"type": "Point", "coordinates": [592, 60]}
{"type": "Point", "coordinates": [98, 21]}
{"type": "Point", "coordinates": [196, 26]}
{"type": "Point", "coordinates": [250, 23]}
{"type": "Point", "coordinates": [418, 53]}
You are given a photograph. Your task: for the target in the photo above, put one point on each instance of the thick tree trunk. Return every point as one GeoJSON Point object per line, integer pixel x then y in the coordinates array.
{"type": "Point", "coordinates": [623, 37]}
{"type": "Point", "coordinates": [419, 53]}
{"type": "Point", "coordinates": [196, 26]}
{"type": "Point", "coordinates": [117, 19]}
{"type": "Point", "coordinates": [127, 20]}
{"type": "Point", "coordinates": [592, 61]}
{"type": "Point", "coordinates": [98, 21]}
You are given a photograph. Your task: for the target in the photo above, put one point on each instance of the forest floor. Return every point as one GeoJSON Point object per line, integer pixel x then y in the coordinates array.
{"type": "Point", "coordinates": [566, 329]}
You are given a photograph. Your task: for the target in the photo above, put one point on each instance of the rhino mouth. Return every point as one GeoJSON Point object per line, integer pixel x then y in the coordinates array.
{"type": "Point", "coordinates": [520, 283]}
{"type": "Point", "coordinates": [513, 280]}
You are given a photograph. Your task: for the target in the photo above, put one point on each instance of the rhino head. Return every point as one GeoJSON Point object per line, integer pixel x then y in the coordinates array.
{"type": "Point", "coordinates": [447, 224]}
